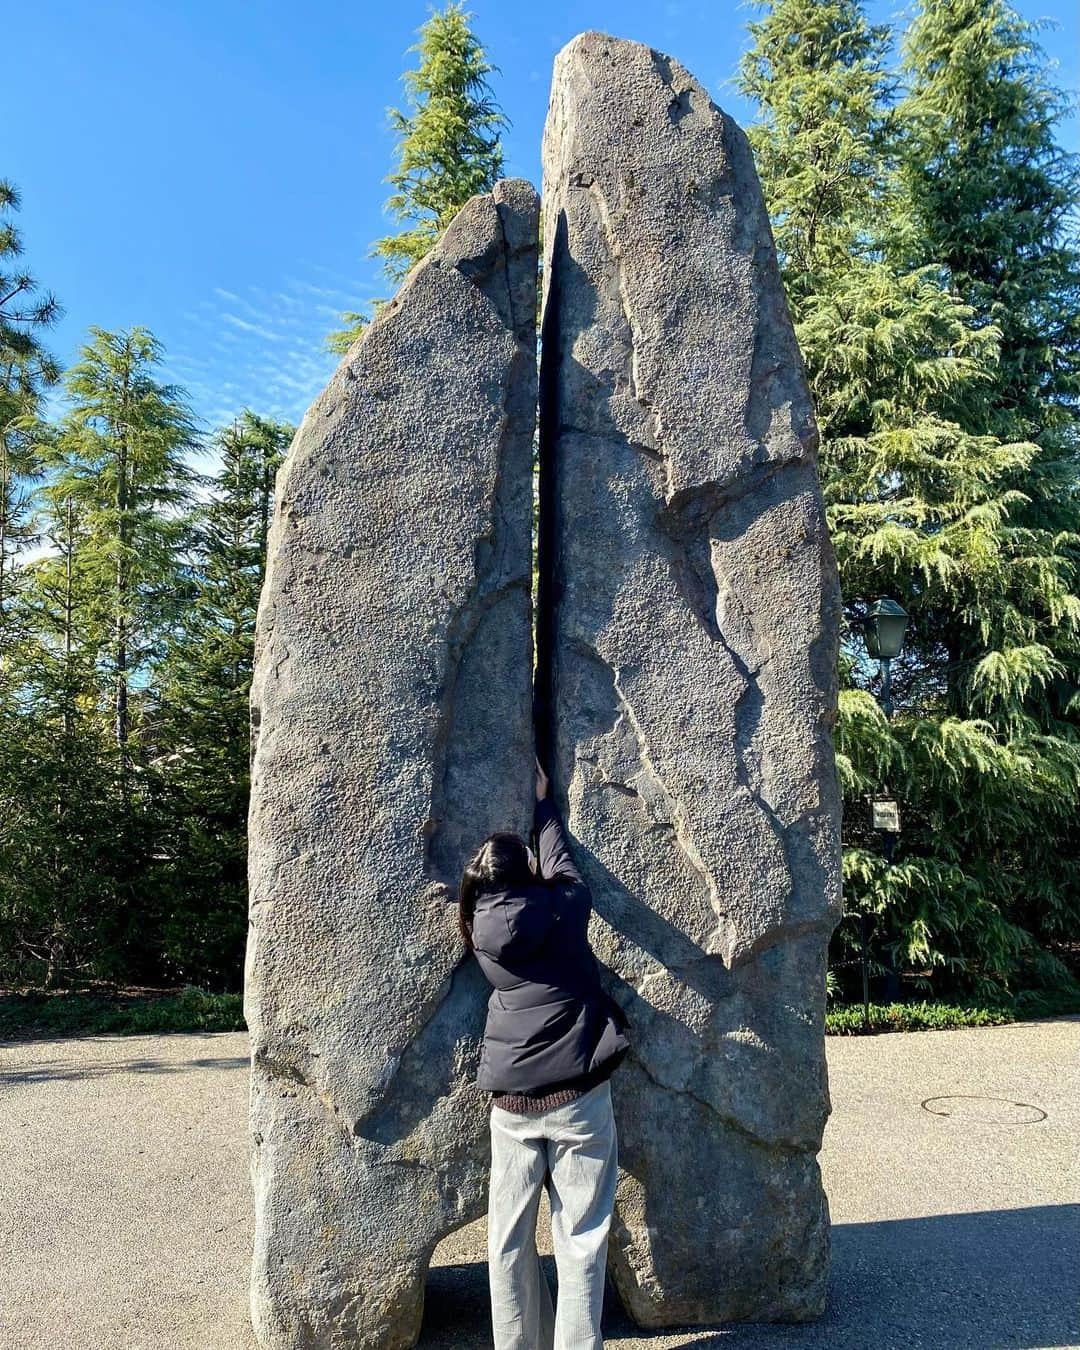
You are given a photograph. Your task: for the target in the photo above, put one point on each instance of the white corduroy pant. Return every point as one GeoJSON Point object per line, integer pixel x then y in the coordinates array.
{"type": "Point", "coordinates": [573, 1150]}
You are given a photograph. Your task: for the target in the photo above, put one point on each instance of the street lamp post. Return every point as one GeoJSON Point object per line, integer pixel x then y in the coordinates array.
{"type": "Point", "coordinates": [883, 631]}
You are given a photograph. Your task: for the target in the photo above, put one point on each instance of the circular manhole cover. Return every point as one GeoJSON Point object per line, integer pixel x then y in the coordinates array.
{"type": "Point", "coordinates": [985, 1110]}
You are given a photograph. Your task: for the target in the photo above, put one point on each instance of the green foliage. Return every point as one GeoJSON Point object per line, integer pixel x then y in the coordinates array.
{"type": "Point", "coordinates": [355, 321]}
{"type": "Point", "coordinates": [448, 141]}
{"type": "Point", "coordinates": [448, 149]}
{"type": "Point", "coordinates": [36, 1015]}
{"type": "Point", "coordinates": [991, 194]}
{"type": "Point", "coordinates": [127, 665]}
{"type": "Point", "coordinates": [124, 764]}
{"type": "Point", "coordinates": [849, 1019]}
{"type": "Point", "coordinates": [25, 311]}
{"type": "Point", "coordinates": [79, 788]}
{"type": "Point", "coordinates": [26, 370]}
{"type": "Point", "coordinates": [925, 223]}
{"type": "Point", "coordinates": [121, 456]}
{"type": "Point", "coordinates": [927, 499]}
{"type": "Point", "coordinates": [57, 837]}
{"type": "Point", "coordinates": [201, 689]}
{"type": "Point", "coordinates": [817, 73]}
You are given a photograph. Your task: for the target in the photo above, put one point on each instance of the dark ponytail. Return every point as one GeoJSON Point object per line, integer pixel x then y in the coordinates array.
{"type": "Point", "coordinates": [501, 861]}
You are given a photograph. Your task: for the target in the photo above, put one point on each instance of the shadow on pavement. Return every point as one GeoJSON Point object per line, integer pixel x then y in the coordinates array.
{"type": "Point", "coordinates": [64, 1070]}
{"type": "Point", "coordinates": [996, 1280]}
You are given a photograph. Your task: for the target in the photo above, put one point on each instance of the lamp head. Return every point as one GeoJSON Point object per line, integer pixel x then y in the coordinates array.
{"type": "Point", "coordinates": [884, 628]}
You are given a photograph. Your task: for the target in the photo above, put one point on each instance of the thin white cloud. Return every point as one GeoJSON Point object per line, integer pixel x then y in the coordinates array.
{"type": "Point", "coordinates": [262, 346]}
{"type": "Point", "coordinates": [260, 330]}
{"type": "Point", "coordinates": [347, 282]}
{"type": "Point", "coordinates": [308, 289]}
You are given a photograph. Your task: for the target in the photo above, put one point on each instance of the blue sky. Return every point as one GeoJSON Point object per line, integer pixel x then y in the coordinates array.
{"type": "Point", "coordinates": [214, 171]}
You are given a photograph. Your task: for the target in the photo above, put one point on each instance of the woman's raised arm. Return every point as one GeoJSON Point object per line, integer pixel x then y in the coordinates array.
{"type": "Point", "coordinates": [552, 851]}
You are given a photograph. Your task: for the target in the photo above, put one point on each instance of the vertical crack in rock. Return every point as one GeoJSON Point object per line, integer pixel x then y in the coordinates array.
{"type": "Point", "coordinates": [392, 712]}
{"type": "Point", "coordinates": [684, 552]}
{"type": "Point", "coordinates": [508, 277]}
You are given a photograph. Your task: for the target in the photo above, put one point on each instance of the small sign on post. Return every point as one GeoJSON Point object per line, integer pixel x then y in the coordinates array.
{"type": "Point", "coordinates": [886, 816]}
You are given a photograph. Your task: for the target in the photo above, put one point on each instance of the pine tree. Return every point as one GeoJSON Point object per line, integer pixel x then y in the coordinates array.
{"type": "Point", "coordinates": [993, 197]}
{"type": "Point", "coordinates": [61, 606]}
{"type": "Point", "coordinates": [124, 445]}
{"type": "Point", "coordinates": [58, 843]}
{"type": "Point", "coordinates": [58, 763]}
{"type": "Point", "coordinates": [202, 687]}
{"type": "Point", "coordinates": [448, 146]}
{"type": "Point", "coordinates": [32, 934]}
{"type": "Point", "coordinates": [26, 370]}
{"type": "Point", "coordinates": [920, 499]}
{"type": "Point", "coordinates": [104, 601]}
{"type": "Point", "coordinates": [993, 204]}
{"type": "Point", "coordinates": [817, 72]}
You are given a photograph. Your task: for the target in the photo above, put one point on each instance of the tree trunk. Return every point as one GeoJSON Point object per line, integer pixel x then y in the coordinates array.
{"type": "Point", "coordinates": [122, 586]}
{"type": "Point", "coordinates": [4, 489]}
{"type": "Point", "coordinates": [69, 612]}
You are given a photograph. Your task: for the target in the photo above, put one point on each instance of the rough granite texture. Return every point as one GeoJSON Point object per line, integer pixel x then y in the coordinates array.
{"type": "Point", "coordinates": [689, 618]}
{"type": "Point", "coordinates": [393, 731]}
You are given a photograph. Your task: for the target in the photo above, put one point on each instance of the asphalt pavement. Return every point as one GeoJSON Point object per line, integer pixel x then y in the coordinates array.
{"type": "Point", "coordinates": [951, 1161]}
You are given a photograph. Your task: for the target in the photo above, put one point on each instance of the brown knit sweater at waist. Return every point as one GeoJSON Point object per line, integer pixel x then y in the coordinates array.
{"type": "Point", "coordinates": [558, 1094]}
{"type": "Point", "coordinates": [521, 1103]}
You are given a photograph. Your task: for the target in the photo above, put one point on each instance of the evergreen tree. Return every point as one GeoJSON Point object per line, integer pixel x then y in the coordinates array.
{"type": "Point", "coordinates": [24, 309]}
{"type": "Point", "coordinates": [58, 763]}
{"type": "Point", "coordinates": [448, 146]}
{"type": "Point", "coordinates": [123, 448]}
{"type": "Point", "coordinates": [993, 205]}
{"type": "Point", "coordinates": [30, 937]}
{"type": "Point", "coordinates": [993, 198]}
{"type": "Point", "coordinates": [26, 369]}
{"type": "Point", "coordinates": [920, 499]}
{"type": "Point", "coordinates": [817, 72]}
{"type": "Point", "coordinates": [62, 606]}
{"type": "Point", "coordinates": [58, 844]}
{"type": "Point", "coordinates": [106, 600]}
{"type": "Point", "coordinates": [203, 686]}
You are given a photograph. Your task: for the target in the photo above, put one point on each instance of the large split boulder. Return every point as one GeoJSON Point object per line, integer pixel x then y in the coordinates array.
{"type": "Point", "coordinates": [393, 731]}
{"type": "Point", "coordinates": [689, 620]}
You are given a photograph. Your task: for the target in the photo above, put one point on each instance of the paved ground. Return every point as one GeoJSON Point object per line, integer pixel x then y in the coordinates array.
{"type": "Point", "coordinates": [124, 1215]}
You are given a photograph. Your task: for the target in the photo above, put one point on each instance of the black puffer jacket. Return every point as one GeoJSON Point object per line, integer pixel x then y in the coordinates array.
{"type": "Point", "coordinates": [549, 1022]}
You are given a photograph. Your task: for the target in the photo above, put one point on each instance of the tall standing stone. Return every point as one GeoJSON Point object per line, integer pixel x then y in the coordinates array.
{"type": "Point", "coordinates": [392, 722]}
{"type": "Point", "coordinates": [689, 619]}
